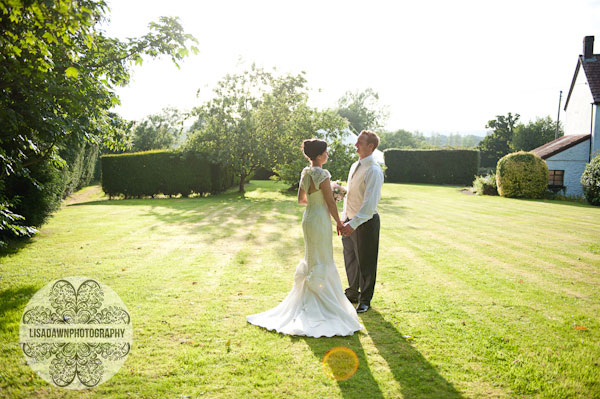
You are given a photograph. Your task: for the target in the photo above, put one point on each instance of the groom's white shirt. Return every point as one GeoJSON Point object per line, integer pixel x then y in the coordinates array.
{"type": "Point", "coordinates": [364, 191]}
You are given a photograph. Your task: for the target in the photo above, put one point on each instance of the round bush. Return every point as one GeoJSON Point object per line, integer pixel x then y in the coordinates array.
{"type": "Point", "coordinates": [590, 180]}
{"type": "Point", "coordinates": [522, 175]}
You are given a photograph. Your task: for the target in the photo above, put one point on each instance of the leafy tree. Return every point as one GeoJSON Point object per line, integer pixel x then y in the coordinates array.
{"type": "Point", "coordinates": [244, 125]}
{"type": "Point", "coordinates": [59, 74]}
{"type": "Point", "coordinates": [257, 120]}
{"type": "Point", "coordinates": [399, 139]}
{"type": "Point", "coordinates": [362, 110]}
{"type": "Point", "coordinates": [497, 144]}
{"type": "Point", "coordinates": [159, 131]}
{"type": "Point", "coordinates": [326, 125]}
{"type": "Point", "coordinates": [535, 134]}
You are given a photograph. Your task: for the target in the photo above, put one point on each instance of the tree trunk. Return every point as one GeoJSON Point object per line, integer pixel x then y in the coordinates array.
{"type": "Point", "coordinates": [242, 183]}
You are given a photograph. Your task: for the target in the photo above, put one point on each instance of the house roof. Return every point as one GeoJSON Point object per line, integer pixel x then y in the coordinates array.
{"type": "Point", "coordinates": [591, 67]}
{"type": "Point", "coordinates": [559, 145]}
{"type": "Point", "coordinates": [592, 72]}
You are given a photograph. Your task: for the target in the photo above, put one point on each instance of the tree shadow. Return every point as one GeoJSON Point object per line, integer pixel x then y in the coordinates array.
{"type": "Point", "coordinates": [13, 299]}
{"type": "Point", "coordinates": [14, 246]}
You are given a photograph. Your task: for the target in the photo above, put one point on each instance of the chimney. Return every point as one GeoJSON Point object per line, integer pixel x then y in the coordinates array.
{"type": "Point", "coordinates": [588, 47]}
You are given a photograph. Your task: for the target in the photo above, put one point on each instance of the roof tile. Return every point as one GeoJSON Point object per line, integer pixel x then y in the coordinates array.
{"type": "Point", "coordinates": [592, 73]}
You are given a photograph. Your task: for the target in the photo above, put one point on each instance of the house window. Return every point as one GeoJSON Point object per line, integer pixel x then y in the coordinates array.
{"type": "Point", "coordinates": [556, 178]}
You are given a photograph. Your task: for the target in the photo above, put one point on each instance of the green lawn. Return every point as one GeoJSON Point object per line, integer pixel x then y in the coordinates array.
{"type": "Point", "coordinates": [475, 297]}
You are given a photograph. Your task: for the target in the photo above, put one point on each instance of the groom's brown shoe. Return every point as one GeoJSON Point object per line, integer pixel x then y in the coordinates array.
{"type": "Point", "coordinates": [362, 308]}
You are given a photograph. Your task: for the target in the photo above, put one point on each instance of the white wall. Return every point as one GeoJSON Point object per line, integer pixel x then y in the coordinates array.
{"type": "Point", "coordinates": [578, 114]}
{"type": "Point", "coordinates": [572, 161]}
{"type": "Point", "coordinates": [596, 137]}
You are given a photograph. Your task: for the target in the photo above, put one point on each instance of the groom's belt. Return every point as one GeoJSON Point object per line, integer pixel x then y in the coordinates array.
{"type": "Point", "coordinates": [376, 213]}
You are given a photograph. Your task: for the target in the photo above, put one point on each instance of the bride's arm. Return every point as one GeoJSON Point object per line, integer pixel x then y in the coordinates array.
{"type": "Point", "coordinates": [325, 187]}
{"type": "Point", "coordinates": [302, 200]}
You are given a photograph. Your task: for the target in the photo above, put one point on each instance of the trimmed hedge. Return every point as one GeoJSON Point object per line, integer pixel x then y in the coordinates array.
{"type": "Point", "coordinates": [431, 166]}
{"type": "Point", "coordinates": [522, 175]}
{"type": "Point", "coordinates": [162, 172]}
{"type": "Point", "coordinates": [37, 202]}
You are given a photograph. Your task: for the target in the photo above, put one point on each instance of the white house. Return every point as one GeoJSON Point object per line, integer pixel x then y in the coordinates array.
{"type": "Point", "coordinates": [567, 156]}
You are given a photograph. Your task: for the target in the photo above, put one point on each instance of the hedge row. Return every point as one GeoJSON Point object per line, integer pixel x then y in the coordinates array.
{"type": "Point", "coordinates": [431, 166]}
{"type": "Point", "coordinates": [38, 201]}
{"type": "Point", "coordinates": [162, 172]}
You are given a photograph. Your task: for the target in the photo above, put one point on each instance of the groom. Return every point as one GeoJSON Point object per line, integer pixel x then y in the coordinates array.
{"type": "Point", "coordinates": [361, 222]}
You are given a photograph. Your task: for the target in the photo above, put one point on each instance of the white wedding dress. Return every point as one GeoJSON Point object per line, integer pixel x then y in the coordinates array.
{"type": "Point", "coordinates": [316, 306]}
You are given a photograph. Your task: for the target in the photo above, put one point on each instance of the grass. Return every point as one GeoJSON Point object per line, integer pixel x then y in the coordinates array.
{"type": "Point", "coordinates": [475, 297]}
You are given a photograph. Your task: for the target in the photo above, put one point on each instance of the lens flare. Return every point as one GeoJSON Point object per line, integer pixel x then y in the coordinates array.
{"type": "Point", "coordinates": [340, 363]}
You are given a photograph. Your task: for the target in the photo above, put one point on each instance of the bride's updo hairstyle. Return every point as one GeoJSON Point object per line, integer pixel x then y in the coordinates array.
{"type": "Point", "coordinates": [313, 148]}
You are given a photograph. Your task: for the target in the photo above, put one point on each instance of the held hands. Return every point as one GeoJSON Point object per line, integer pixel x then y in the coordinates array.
{"type": "Point", "coordinates": [344, 229]}
{"type": "Point", "coordinates": [339, 227]}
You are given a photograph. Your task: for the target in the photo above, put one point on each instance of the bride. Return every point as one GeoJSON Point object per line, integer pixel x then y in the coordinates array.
{"type": "Point", "coordinates": [316, 306]}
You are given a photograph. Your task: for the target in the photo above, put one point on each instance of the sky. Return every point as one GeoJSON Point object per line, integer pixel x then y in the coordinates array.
{"type": "Point", "coordinates": [438, 66]}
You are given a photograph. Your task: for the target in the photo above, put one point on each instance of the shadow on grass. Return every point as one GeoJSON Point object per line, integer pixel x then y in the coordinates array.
{"type": "Point", "coordinates": [362, 384]}
{"type": "Point", "coordinates": [567, 202]}
{"type": "Point", "coordinates": [12, 299]}
{"type": "Point", "coordinates": [214, 216]}
{"type": "Point", "coordinates": [416, 377]}
{"type": "Point", "coordinates": [229, 194]}
{"type": "Point", "coordinates": [14, 246]}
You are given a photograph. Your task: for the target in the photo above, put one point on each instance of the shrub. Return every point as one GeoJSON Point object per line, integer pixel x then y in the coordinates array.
{"type": "Point", "coordinates": [590, 180]}
{"type": "Point", "coordinates": [431, 166]}
{"type": "Point", "coordinates": [522, 175]}
{"type": "Point", "coordinates": [485, 185]}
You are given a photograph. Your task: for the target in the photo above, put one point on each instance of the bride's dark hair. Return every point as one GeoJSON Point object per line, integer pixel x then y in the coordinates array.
{"type": "Point", "coordinates": [313, 148]}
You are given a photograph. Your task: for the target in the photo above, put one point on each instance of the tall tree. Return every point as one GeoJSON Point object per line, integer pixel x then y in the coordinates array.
{"type": "Point", "coordinates": [362, 110]}
{"type": "Point", "coordinates": [535, 134]}
{"type": "Point", "coordinates": [326, 125]}
{"type": "Point", "coordinates": [497, 144]}
{"type": "Point", "coordinates": [244, 125]}
{"type": "Point", "coordinates": [157, 131]}
{"type": "Point", "coordinates": [398, 139]}
{"type": "Point", "coordinates": [258, 119]}
{"type": "Point", "coordinates": [59, 74]}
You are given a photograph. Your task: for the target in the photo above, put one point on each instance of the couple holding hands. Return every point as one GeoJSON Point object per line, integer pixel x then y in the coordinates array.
{"type": "Point", "coordinates": [317, 305]}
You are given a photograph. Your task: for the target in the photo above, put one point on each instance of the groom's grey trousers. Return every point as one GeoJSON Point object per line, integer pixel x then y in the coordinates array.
{"type": "Point", "coordinates": [360, 256]}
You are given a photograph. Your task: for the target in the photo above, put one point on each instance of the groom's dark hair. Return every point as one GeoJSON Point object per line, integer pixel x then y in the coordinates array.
{"type": "Point", "coordinates": [313, 148]}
